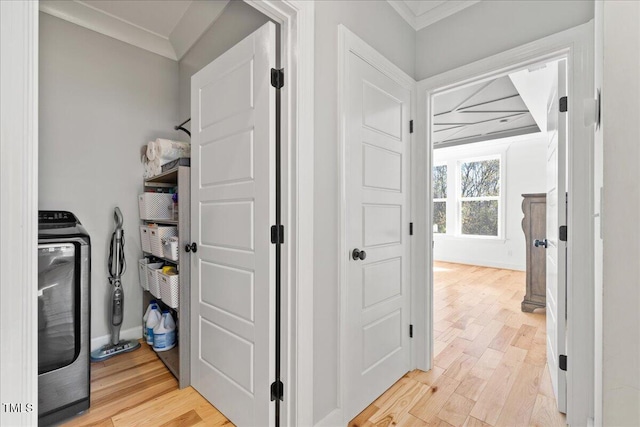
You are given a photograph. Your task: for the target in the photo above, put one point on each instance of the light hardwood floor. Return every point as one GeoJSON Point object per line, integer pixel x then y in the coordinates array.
{"type": "Point", "coordinates": [136, 389]}
{"type": "Point", "coordinates": [490, 369]}
{"type": "Point", "coordinates": [490, 359]}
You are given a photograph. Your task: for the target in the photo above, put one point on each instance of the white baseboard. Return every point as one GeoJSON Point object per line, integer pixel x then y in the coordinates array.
{"type": "Point", "coordinates": [134, 333]}
{"type": "Point", "coordinates": [334, 419]}
{"type": "Point", "coordinates": [482, 263]}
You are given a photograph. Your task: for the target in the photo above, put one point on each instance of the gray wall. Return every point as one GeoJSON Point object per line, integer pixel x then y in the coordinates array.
{"type": "Point", "coordinates": [621, 219]}
{"type": "Point", "coordinates": [380, 26]}
{"type": "Point", "coordinates": [101, 100]}
{"type": "Point", "coordinates": [490, 27]}
{"type": "Point", "coordinates": [236, 22]}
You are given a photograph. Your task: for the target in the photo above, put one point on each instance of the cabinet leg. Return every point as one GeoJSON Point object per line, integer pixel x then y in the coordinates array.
{"type": "Point", "coordinates": [528, 307]}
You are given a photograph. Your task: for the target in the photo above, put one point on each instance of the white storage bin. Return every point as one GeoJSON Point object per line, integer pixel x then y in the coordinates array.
{"type": "Point", "coordinates": [153, 271]}
{"type": "Point", "coordinates": [142, 273]}
{"type": "Point", "coordinates": [155, 206]}
{"type": "Point", "coordinates": [170, 247]}
{"type": "Point", "coordinates": [157, 234]}
{"type": "Point", "coordinates": [169, 289]}
{"type": "Point", "coordinates": [144, 239]}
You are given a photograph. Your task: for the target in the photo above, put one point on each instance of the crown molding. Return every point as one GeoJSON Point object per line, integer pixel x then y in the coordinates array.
{"type": "Point", "coordinates": [418, 22]}
{"type": "Point", "coordinates": [405, 11]}
{"type": "Point", "coordinates": [195, 21]}
{"type": "Point", "coordinates": [101, 22]}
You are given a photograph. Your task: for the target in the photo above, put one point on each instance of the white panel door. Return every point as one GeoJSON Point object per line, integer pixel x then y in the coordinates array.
{"type": "Point", "coordinates": [377, 224]}
{"type": "Point", "coordinates": [556, 249]}
{"type": "Point", "coordinates": [232, 209]}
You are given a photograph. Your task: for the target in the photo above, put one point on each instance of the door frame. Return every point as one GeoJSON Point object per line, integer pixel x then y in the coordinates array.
{"type": "Point", "coordinates": [576, 45]}
{"type": "Point", "coordinates": [18, 209]}
{"type": "Point", "coordinates": [296, 19]}
{"type": "Point", "coordinates": [348, 43]}
{"type": "Point", "coordinates": [19, 203]}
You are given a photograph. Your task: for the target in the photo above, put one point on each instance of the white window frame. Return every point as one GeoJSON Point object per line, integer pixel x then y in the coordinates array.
{"type": "Point", "coordinates": [469, 153]}
{"type": "Point", "coordinates": [500, 198]}
{"type": "Point", "coordinates": [445, 199]}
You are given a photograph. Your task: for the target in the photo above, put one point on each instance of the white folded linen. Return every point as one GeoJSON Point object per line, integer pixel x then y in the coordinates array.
{"type": "Point", "coordinates": [166, 150]}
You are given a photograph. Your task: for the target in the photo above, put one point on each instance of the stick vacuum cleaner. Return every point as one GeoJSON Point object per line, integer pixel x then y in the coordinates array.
{"type": "Point", "coordinates": [117, 267]}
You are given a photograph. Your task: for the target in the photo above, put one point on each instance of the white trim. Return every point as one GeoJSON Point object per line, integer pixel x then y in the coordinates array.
{"type": "Point", "coordinates": [405, 12]}
{"type": "Point", "coordinates": [134, 333]}
{"type": "Point", "coordinates": [576, 45]}
{"type": "Point", "coordinates": [18, 206]}
{"type": "Point", "coordinates": [197, 19]}
{"type": "Point", "coordinates": [348, 42]}
{"type": "Point", "coordinates": [423, 20]}
{"type": "Point", "coordinates": [476, 261]}
{"type": "Point", "coordinates": [99, 21]}
{"type": "Point", "coordinates": [296, 19]}
{"type": "Point", "coordinates": [333, 419]}
{"type": "Point", "coordinates": [598, 401]}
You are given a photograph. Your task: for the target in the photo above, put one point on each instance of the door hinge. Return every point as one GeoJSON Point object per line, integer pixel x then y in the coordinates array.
{"type": "Point", "coordinates": [277, 77]}
{"type": "Point", "coordinates": [563, 104]}
{"type": "Point", "coordinates": [562, 233]}
{"type": "Point", "coordinates": [277, 390]}
{"type": "Point", "coordinates": [277, 234]}
{"type": "Point", "coordinates": [562, 362]}
{"type": "Point", "coordinates": [410, 126]}
{"type": "Point", "coordinates": [410, 331]}
{"type": "Point", "coordinates": [410, 229]}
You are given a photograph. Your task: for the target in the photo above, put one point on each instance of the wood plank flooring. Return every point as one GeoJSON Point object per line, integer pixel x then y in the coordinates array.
{"type": "Point", "coordinates": [136, 389]}
{"type": "Point", "coordinates": [490, 359]}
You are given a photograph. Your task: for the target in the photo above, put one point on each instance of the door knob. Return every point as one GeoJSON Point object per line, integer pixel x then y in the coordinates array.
{"type": "Point", "coordinates": [191, 247]}
{"type": "Point", "coordinates": [544, 243]}
{"type": "Point", "coordinates": [357, 254]}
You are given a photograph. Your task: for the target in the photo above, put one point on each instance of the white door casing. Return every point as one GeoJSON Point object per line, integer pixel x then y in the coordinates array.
{"type": "Point", "coordinates": [232, 210]}
{"type": "Point", "coordinates": [377, 291]}
{"type": "Point", "coordinates": [576, 46]}
{"type": "Point", "coordinates": [556, 248]}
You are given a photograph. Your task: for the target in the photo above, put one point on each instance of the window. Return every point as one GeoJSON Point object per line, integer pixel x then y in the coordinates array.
{"type": "Point", "coordinates": [440, 199]}
{"type": "Point", "coordinates": [479, 201]}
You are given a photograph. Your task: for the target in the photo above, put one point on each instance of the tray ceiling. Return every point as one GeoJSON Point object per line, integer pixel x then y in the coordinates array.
{"type": "Point", "coordinates": [484, 111]}
{"type": "Point", "coordinates": [422, 13]}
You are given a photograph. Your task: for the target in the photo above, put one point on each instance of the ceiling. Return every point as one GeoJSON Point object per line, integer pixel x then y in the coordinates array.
{"type": "Point", "coordinates": [170, 27]}
{"type": "Point", "coordinates": [483, 111]}
{"type": "Point", "coordinates": [166, 27]}
{"type": "Point", "coordinates": [159, 17]}
{"type": "Point", "coordinates": [422, 13]}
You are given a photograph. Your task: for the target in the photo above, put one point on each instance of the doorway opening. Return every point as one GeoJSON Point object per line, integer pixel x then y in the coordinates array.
{"type": "Point", "coordinates": [147, 96]}
{"type": "Point", "coordinates": [497, 172]}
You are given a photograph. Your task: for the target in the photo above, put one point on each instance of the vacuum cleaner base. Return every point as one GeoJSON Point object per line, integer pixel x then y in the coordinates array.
{"type": "Point", "coordinates": [110, 350]}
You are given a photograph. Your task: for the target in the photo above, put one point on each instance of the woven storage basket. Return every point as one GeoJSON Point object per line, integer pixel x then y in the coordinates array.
{"type": "Point", "coordinates": [142, 273]}
{"type": "Point", "coordinates": [155, 206]}
{"type": "Point", "coordinates": [144, 239]}
{"type": "Point", "coordinates": [170, 248]}
{"type": "Point", "coordinates": [153, 271]}
{"type": "Point", "coordinates": [169, 289]}
{"type": "Point", "coordinates": [156, 234]}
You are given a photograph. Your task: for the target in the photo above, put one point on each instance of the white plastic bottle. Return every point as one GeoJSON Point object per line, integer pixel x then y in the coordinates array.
{"type": "Point", "coordinates": [152, 321]}
{"type": "Point", "coordinates": [164, 334]}
{"type": "Point", "coordinates": [145, 317]}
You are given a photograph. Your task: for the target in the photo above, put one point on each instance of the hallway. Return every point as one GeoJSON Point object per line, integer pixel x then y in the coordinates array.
{"type": "Point", "coordinates": [490, 359]}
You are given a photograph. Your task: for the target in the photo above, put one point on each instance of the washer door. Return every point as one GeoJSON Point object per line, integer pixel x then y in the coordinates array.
{"type": "Point", "coordinates": [58, 305]}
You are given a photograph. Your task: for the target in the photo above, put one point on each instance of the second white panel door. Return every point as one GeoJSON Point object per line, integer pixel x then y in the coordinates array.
{"type": "Point", "coordinates": [377, 232]}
